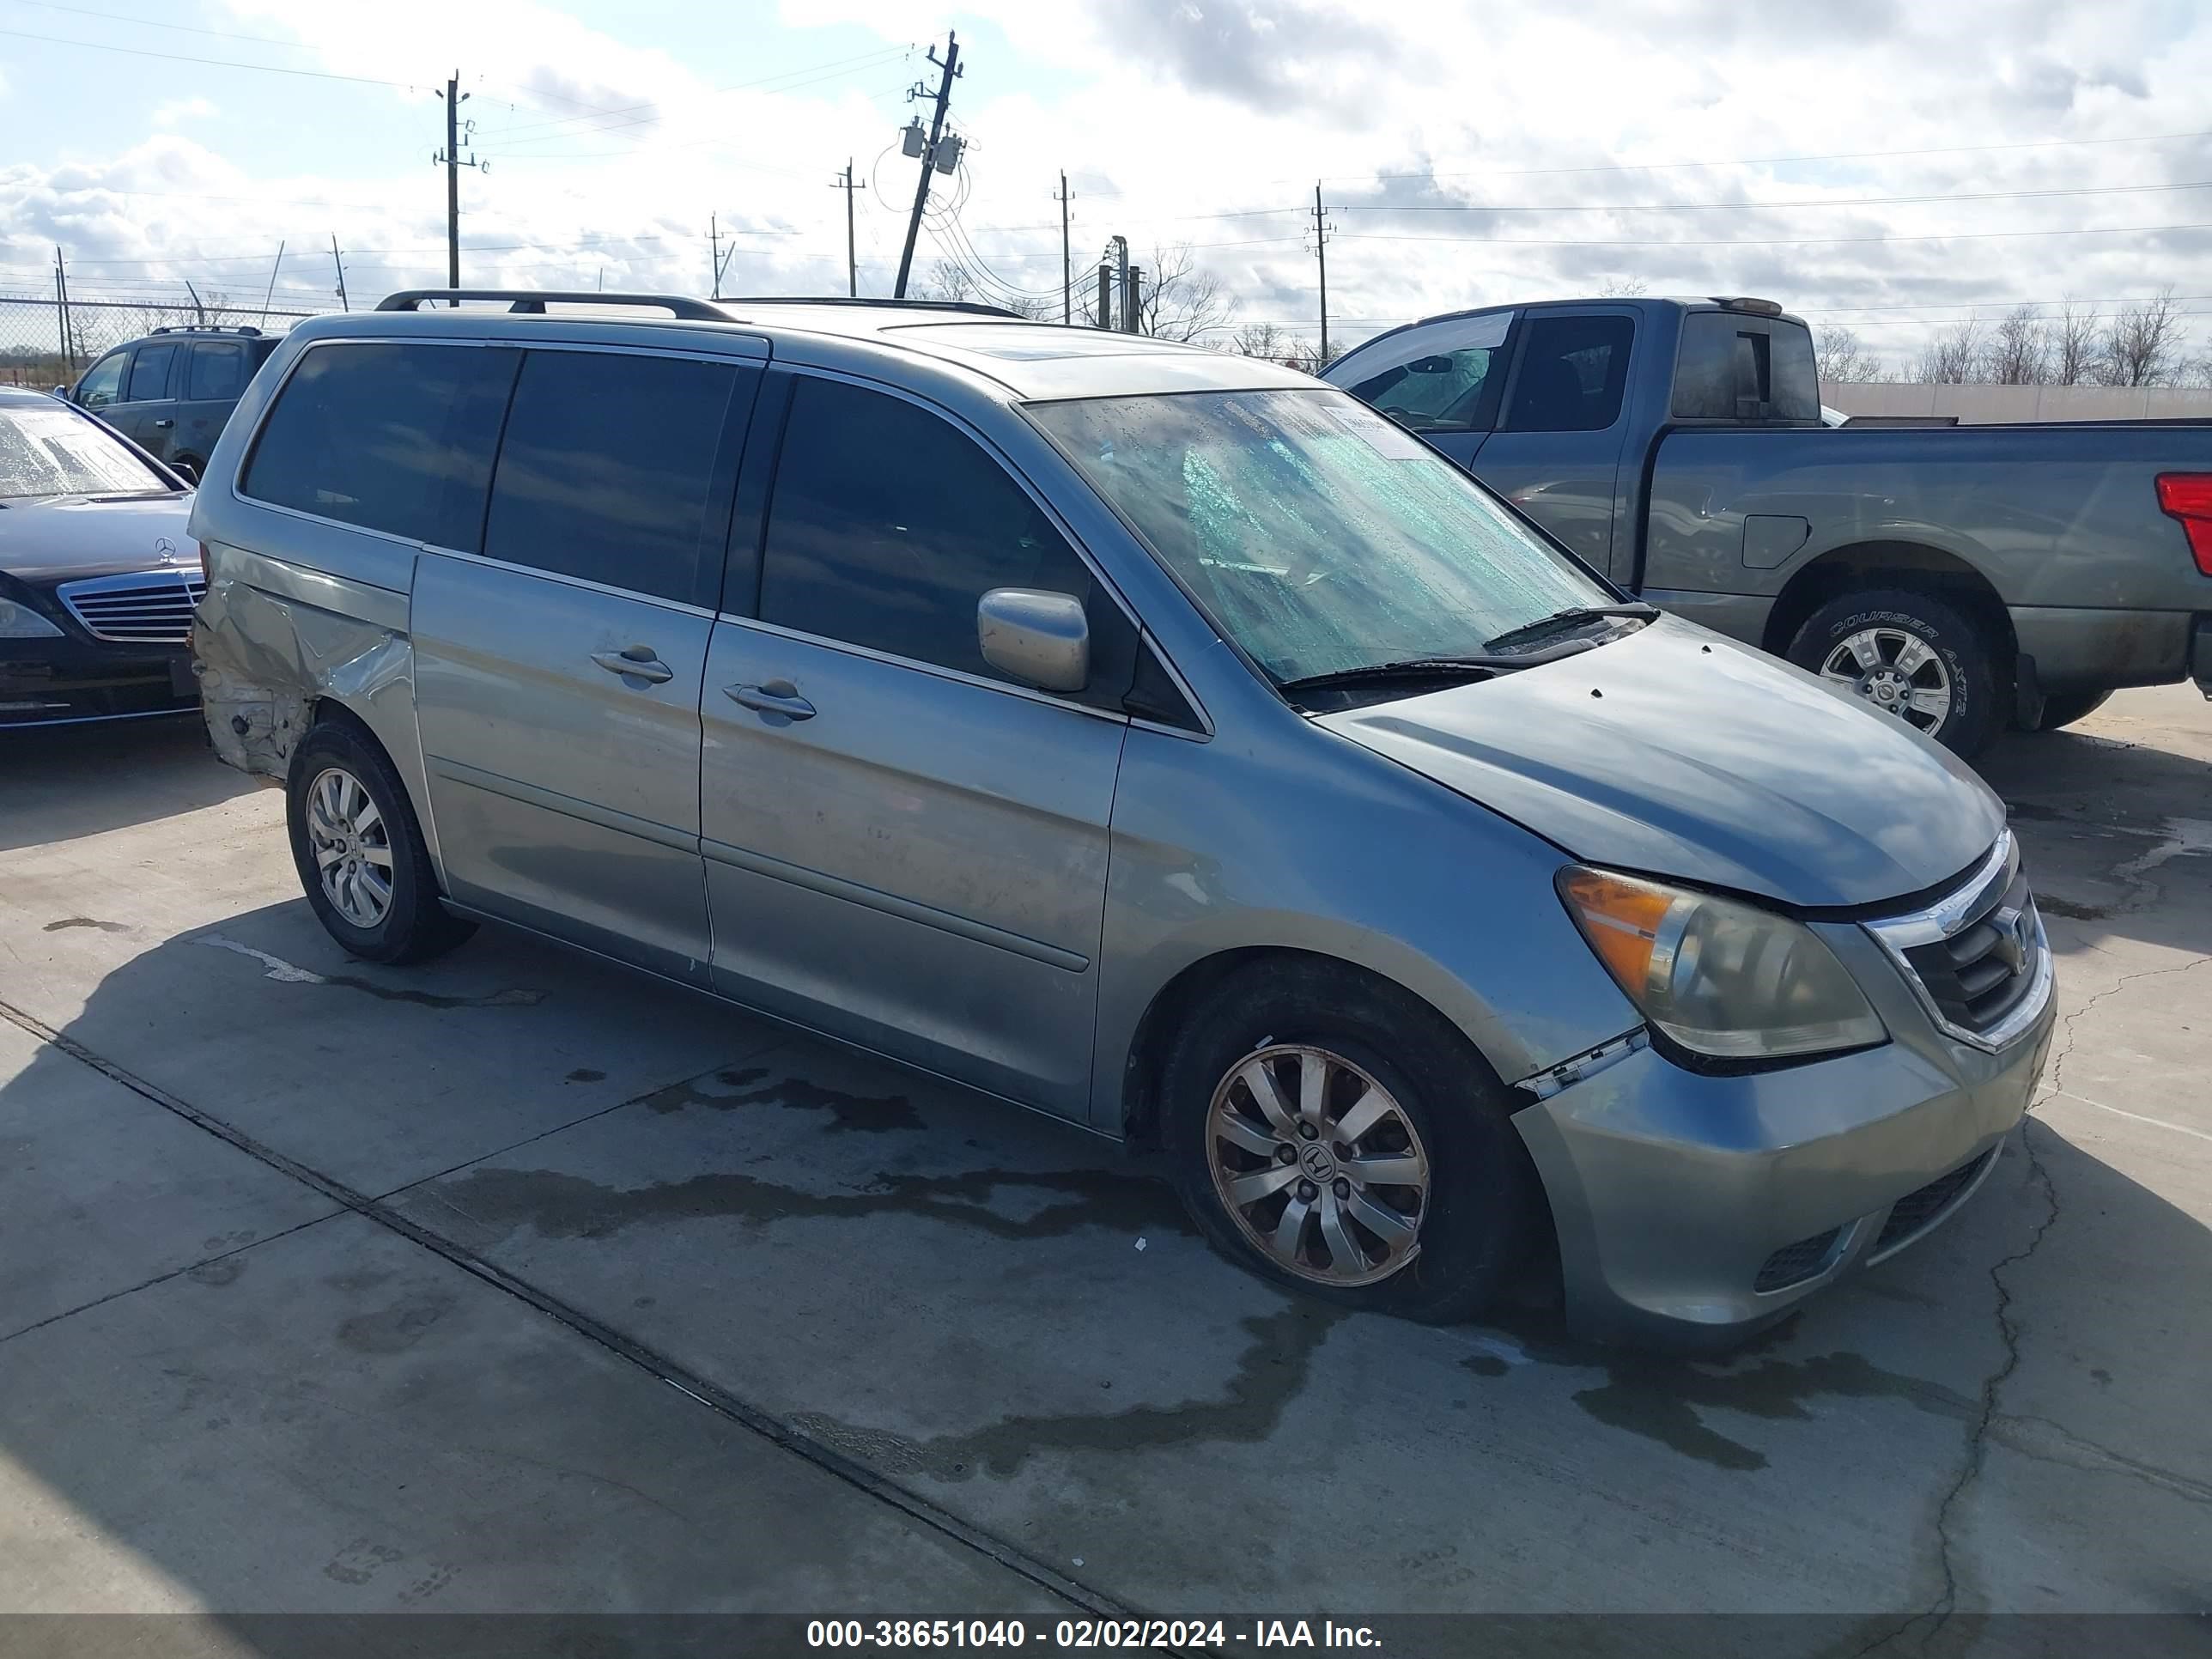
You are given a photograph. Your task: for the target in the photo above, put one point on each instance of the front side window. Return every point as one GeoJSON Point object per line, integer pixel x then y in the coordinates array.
{"type": "Point", "coordinates": [150, 374]}
{"type": "Point", "coordinates": [1317, 535]}
{"type": "Point", "coordinates": [392, 437]}
{"type": "Point", "coordinates": [215, 370]}
{"type": "Point", "coordinates": [1433, 378]}
{"type": "Point", "coordinates": [888, 525]}
{"type": "Point", "coordinates": [607, 471]}
{"type": "Point", "coordinates": [1573, 371]}
{"type": "Point", "coordinates": [52, 451]}
{"type": "Point", "coordinates": [103, 382]}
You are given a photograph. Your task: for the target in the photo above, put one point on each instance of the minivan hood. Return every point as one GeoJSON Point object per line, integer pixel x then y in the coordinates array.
{"type": "Point", "coordinates": [1677, 752]}
{"type": "Point", "coordinates": [58, 539]}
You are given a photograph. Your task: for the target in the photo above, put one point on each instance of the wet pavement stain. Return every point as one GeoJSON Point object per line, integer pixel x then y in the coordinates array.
{"type": "Point", "coordinates": [285, 973]}
{"type": "Point", "coordinates": [570, 1206]}
{"type": "Point", "coordinates": [585, 1074]}
{"type": "Point", "coordinates": [1271, 1372]}
{"type": "Point", "coordinates": [2059, 906]}
{"type": "Point", "coordinates": [727, 1090]}
{"type": "Point", "coordinates": [1662, 1397]}
{"type": "Point", "coordinates": [395, 1329]}
{"type": "Point", "coordinates": [84, 921]}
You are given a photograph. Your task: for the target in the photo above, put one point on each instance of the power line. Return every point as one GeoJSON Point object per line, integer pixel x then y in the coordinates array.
{"type": "Point", "coordinates": [1785, 241]}
{"type": "Point", "coordinates": [651, 110]}
{"type": "Point", "coordinates": [212, 63]}
{"type": "Point", "coordinates": [1810, 202]}
{"type": "Point", "coordinates": [152, 23]}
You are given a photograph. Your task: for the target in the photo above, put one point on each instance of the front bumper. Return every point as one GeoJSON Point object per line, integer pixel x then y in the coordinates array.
{"type": "Point", "coordinates": [61, 682]}
{"type": "Point", "coordinates": [1677, 1195]}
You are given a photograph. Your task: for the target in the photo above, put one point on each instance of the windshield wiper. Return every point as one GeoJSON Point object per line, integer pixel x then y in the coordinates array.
{"type": "Point", "coordinates": [1411, 668]}
{"type": "Point", "coordinates": [1560, 620]}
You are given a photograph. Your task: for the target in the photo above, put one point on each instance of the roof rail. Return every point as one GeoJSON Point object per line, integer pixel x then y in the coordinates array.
{"type": "Point", "coordinates": [534, 300]}
{"type": "Point", "coordinates": [204, 328]}
{"type": "Point", "coordinates": [974, 306]}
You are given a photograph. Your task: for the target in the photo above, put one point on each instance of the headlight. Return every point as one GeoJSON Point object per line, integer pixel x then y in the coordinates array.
{"type": "Point", "coordinates": [20, 621]}
{"type": "Point", "coordinates": [1719, 978]}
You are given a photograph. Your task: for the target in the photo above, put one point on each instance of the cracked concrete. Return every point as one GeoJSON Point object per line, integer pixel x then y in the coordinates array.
{"type": "Point", "coordinates": [1003, 1362]}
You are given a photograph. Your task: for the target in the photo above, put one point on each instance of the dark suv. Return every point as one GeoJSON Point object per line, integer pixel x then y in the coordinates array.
{"type": "Point", "coordinates": [172, 393]}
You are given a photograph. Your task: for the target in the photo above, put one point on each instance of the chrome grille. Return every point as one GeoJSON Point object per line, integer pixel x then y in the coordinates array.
{"type": "Point", "coordinates": [1977, 958]}
{"type": "Point", "coordinates": [152, 607]}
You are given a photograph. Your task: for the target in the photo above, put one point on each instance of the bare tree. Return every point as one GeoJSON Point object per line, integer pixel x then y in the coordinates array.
{"type": "Point", "coordinates": [946, 280]}
{"type": "Point", "coordinates": [2018, 352]}
{"type": "Point", "coordinates": [1842, 357]}
{"type": "Point", "coordinates": [1181, 301]}
{"type": "Point", "coordinates": [1952, 358]}
{"type": "Point", "coordinates": [1265, 341]}
{"type": "Point", "coordinates": [2076, 347]}
{"type": "Point", "coordinates": [1624, 288]}
{"type": "Point", "coordinates": [2142, 347]}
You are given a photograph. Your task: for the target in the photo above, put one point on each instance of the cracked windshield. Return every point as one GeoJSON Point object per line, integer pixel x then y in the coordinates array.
{"type": "Point", "coordinates": [1321, 537]}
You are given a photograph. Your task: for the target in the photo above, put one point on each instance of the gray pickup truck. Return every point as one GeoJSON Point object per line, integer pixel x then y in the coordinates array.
{"type": "Point", "coordinates": [1959, 577]}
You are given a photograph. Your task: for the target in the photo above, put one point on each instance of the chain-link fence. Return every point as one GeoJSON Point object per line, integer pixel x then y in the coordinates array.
{"type": "Point", "coordinates": [34, 350]}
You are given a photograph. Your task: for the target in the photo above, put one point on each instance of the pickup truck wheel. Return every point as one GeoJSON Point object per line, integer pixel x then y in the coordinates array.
{"type": "Point", "coordinates": [1911, 656]}
{"type": "Point", "coordinates": [1344, 1142]}
{"type": "Point", "coordinates": [361, 855]}
{"type": "Point", "coordinates": [2064, 711]}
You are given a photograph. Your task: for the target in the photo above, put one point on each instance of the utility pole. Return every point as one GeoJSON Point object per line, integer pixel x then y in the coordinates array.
{"type": "Point", "coordinates": [456, 131]}
{"type": "Point", "coordinates": [62, 310]}
{"type": "Point", "coordinates": [1321, 228]}
{"type": "Point", "coordinates": [337, 259]}
{"type": "Point", "coordinates": [947, 69]}
{"type": "Point", "coordinates": [1105, 294]}
{"type": "Point", "coordinates": [1132, 300]}
{"type": "Point", "coordinates": [714, 255]}
{"type": "Point", "coordinates": [1120, 245]}
{"type": "Point", "coordinates": [199, 309]}
{"type": "Point", "coordinates": [844, 182]}
{"type": "Point", "coordinates": [1066, 277]}
{"type": "Point", "coordinates": [271, 293]}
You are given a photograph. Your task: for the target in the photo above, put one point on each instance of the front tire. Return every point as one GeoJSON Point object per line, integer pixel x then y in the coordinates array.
{"type": "Point", "coordinates": [1911, 656]}
{"type": "Point", "coordinates": [361, 855]}
{"type": "Point", "coordinates": [1339, 1137]}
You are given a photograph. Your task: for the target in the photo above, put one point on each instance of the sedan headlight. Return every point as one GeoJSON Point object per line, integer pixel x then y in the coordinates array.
{"type": "Point", "coordinates": [1720, 977]}
{"type": "Point", "coordinates": [20, 621]}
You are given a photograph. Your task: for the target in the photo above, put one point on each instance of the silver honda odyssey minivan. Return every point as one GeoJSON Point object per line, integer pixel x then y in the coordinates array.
{"type": "Point", "coordinates": [1156, 738]}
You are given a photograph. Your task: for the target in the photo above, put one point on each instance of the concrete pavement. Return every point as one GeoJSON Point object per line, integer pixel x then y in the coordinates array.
{"type": "Point", "coordinates": [330, 1286]}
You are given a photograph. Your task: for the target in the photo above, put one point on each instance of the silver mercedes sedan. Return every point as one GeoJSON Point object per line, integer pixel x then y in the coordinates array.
{"type": "Point", "coordinates": [1155, 739]}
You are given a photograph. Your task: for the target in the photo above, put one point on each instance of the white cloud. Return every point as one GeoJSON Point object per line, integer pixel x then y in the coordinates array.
{"type": "Point", "coordinates": [1451, 139]}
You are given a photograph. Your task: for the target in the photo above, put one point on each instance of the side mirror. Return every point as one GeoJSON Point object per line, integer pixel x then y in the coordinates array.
{"type": "Point", "coordinates": [1039, 638]}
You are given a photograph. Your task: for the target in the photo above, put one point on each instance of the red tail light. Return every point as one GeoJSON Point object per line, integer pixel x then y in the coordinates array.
{"type": "Point", "coordinates": [2188, 496]}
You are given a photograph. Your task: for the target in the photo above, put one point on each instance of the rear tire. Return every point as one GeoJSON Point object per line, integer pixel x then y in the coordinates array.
{"type": "Point", "coordinates": [361, 855]}
{"type": "Point", "coordinates": [1441, 1158]}
{"type": "Point", "coordinates": [1905, 652]}
{"type": "Point", "coordinates": [2074, 706]}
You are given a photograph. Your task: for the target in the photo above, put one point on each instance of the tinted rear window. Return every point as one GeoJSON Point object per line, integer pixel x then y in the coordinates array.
{"type": "Point", "coordinates": [150, 374]}
{"type": "Point", "coordinates": [1572, 373]}
{"type": "Point", "coordinates": [608, 470]}
{"type": "Point", "coordinates": [1735, 367]}
{"type": "Point", "coordinates": [395, 438]}
{"type": "Point", "coordinates": [215, 369]}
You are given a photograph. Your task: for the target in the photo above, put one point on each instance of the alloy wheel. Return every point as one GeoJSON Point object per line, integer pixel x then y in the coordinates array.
{"type": "Point", "coordinates": [1896, 672]}
{"type": "Point", "coordinates": [352, 845]}
{"type": "Point", "coordinates": [1321, 1166]}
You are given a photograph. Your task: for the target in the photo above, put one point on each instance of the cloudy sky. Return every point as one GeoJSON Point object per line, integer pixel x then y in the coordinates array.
{"type": "Point", "coordinates": [1870, 163]}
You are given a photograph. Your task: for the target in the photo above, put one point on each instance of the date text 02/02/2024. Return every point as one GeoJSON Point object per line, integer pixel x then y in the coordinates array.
{"type": "Point", "coordinates": [1080, 1633]}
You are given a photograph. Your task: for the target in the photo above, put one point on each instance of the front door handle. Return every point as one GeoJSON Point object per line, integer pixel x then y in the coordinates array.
{"type": "Point", "coordinates": [774, 697]}
{"type": "Point", "coordinates": [638, 662]}
{"type": "Point", "coordinates": [163, 425]}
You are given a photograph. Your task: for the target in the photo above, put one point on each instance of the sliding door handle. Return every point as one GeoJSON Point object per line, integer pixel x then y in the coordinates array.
{"type": "Point", "coordinates": [774, 697]}
{"type": "Point", "coordinates": [640, 662]}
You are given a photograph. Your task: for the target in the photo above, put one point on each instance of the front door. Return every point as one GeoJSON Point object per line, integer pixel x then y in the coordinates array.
{"type": "Point", "coordinates": [1556, 453]}
{"type": "Point", "coordinates": [902, 848]}
{"type": "Point", "coordinates": [557, 674]}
